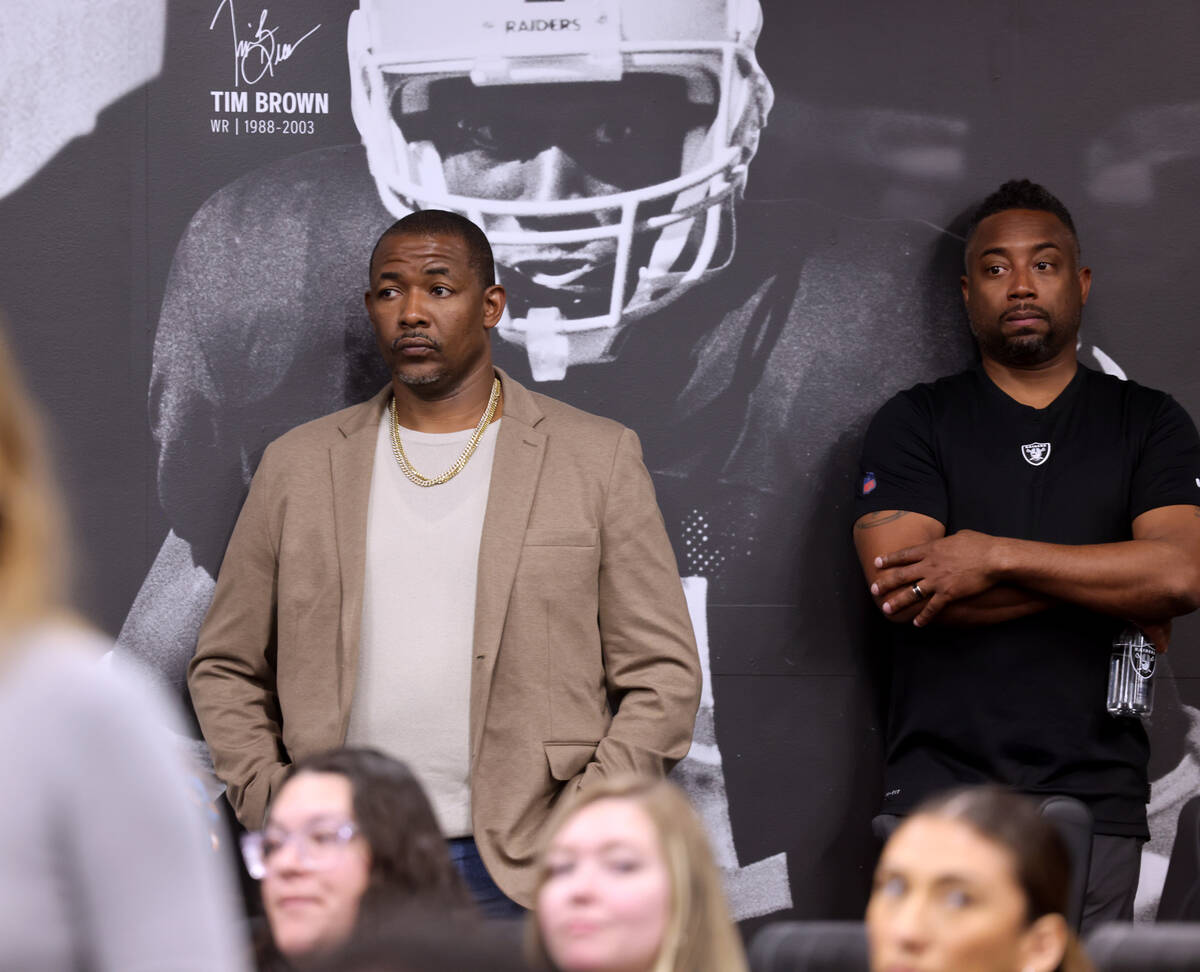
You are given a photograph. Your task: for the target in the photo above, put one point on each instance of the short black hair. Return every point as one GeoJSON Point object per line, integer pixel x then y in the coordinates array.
{"type": "Point", "coordinates": [1022, 194]}
{"type": "Point", "coordinates": [442, 222]}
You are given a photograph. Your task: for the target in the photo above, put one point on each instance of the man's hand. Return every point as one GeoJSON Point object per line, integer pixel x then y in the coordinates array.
{"type": "Point", "coordinates": [1158, 632]}
{"type": "Point", "coordinates": [882, 538]}
{"type": "Point", "coordinates": [1153, 577]}
{"type": "Point", "coordinates": [938, 572]}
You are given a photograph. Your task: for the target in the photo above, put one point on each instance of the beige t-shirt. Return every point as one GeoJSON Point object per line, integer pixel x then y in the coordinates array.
{"type": "Point", "coordinates": [412, 694]}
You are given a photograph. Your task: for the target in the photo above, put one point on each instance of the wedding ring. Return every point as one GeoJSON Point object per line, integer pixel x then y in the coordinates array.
{"type": "Point", "coordinates": [916, 589]}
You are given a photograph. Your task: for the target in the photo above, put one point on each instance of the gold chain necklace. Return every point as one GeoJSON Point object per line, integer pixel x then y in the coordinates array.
{"type": "Point", "coordinates": [464, 457]}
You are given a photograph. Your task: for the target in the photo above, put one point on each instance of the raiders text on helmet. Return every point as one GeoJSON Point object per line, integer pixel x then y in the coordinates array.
{"type": "Point", "coordinates": [648, 243]}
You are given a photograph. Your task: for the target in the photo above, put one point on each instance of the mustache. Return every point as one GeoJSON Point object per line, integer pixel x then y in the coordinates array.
{"type": "Point", "coordinates": [1025, 310]}
{"type": "Point", "coordinates": [411, 338]}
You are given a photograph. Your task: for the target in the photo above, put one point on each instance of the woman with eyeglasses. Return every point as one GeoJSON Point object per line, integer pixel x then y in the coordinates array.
{"type": "Point", "coordinates": [975, 880]}
{"type": "Point", "coordinates": [350, 836]}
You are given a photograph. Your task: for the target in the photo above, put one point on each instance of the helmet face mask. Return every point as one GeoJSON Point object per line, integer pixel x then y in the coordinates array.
{"type": "Point", "coordinates": [604, 174]}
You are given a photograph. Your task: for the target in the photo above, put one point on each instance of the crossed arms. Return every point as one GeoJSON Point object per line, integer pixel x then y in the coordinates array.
{"type": "Point", "coordinates": [971, 578]}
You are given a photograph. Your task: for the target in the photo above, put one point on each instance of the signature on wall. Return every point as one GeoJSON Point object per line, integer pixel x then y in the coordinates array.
{"type": "Point", "coordinates": [258, 57]}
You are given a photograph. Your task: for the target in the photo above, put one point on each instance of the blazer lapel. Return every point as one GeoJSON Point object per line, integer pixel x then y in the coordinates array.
{"type": "Point", "coordinates": [516, 467]}
{"type": "Point", "coordinates": [352, 458]}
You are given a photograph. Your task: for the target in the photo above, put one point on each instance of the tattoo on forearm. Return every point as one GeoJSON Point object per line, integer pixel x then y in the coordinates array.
{"type": "Point", "coordinates": [879, 519]}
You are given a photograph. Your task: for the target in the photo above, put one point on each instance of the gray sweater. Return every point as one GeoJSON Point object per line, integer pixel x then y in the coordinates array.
{"type": "Point", "coordinates": [105, 862]}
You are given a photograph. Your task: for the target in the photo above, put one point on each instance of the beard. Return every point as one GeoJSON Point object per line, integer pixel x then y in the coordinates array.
{"type": "Point", "coordinates": [1028, 347]}
{"type": "Point", "coordinates": [413, 380]}
{"type": "Point", "coordinates": [416, 381]}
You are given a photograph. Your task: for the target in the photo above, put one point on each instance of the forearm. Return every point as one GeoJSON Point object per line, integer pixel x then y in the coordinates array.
{"type": "Point", "coordinates": [232, 675]}
{"type": "Point", "coordinates": [232, 685]}
{"type": "Point", "coordinates": [240, 723]}
{"type": "Point", "coordinates": [652, 670]}
{"type": "Point", "coordinates": [651, 664]}
{"type": "Point", "coordinates": [1003, 603]}
{"type": "Point", "coordinates": [1153, 577]}
{"type": "Point", "coordinates": [991, 607]}
{"type": "Point", "coordinates": [1149, 579]}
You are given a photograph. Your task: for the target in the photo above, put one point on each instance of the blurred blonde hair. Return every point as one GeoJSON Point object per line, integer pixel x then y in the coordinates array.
{"type": "Point", "coordinates": [700, 936]}
{"type": "Point", "coordinates": [31, 551]}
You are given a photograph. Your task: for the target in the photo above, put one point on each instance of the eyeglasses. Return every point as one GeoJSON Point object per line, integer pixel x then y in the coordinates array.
{"type": "Point", "coordinates": [316, 846]}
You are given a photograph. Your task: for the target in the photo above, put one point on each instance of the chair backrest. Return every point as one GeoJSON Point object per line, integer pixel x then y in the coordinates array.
{"type": "Point", "coordinates": [1073, 820]}
{"type": "Point", "coordinates": [1181, 890]}
{"type": "Point", "coordinates": [810, 946]}
{"type": "Point", "coordinates": [1124, 947]}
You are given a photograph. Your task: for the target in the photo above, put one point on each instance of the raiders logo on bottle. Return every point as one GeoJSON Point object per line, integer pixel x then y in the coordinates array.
{"type": "Point", "coordinates": [1141, 658]}
{"type": "Point", "coordinates": [1036, 453]}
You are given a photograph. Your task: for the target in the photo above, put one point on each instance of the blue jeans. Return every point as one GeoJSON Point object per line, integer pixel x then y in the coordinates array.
{"type": "Point", "coordinates": [491, 901]}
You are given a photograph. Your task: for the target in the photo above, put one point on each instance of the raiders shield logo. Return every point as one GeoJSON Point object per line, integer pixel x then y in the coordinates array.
{"type": "Point", "coordinates": [1141, 658]}
{"type": "Point", "coordinates": [1036, 453]}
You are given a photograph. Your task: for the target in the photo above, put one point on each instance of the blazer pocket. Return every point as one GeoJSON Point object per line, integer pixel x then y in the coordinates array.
{"type": "Point", "coordinates": [568, 760]}
{"type": "Point", "coordinates": [562, 538]}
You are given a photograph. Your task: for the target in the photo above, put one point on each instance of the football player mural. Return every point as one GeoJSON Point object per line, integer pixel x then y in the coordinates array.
{"type": "Point", "coordinates": [741, 262]}
{"type": "Point", "coordinates": [604, 147]}
{"type": "Point", "coordinates": [602, 150]}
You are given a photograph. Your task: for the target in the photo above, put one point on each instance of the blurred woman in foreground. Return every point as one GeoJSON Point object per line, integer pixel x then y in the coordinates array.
{"type": "Point", "coordinates": [350, 839]}
{"type": "Point", "coordinates": [627, 882]}
{"type": "Point", "coordinates": [975, 880]}
{"type": "Point", "coordinates": [106, 856]}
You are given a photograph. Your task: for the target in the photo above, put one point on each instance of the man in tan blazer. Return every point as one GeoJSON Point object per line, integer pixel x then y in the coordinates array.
{"type": "Point", "coordinates": [514, 632]}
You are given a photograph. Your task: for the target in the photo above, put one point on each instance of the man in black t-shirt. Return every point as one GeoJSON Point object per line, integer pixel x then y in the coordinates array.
{"type": "Point", "coordinates": [1011, 519]}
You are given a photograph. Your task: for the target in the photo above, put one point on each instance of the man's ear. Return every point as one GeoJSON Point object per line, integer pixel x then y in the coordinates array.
{"type": "Point", "coordinates": [1085, 283]}
{"type": "Point", "coordinates": [494, 299]}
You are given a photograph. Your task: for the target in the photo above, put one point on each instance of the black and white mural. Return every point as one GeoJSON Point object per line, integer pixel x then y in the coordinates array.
{"type": "Point", "coordinates": [731, 225]}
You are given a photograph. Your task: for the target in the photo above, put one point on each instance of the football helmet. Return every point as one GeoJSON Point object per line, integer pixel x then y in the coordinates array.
{"type": "Point", "coordinates": [659, 239]}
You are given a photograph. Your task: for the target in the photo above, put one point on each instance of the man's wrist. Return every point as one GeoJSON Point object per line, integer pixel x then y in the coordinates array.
{"type": "Point", "coordinates": [1002, 560]}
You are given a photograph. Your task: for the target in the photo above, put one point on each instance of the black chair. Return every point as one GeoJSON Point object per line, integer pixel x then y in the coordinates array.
{"type": "Point", "coordinates": [1181, 890]}
{"type": "Point", "coordinates": [1124, 947]}
{"type": "Point", "coordinates": [1074, 821]}
{"type": "Point", "coordinates": [810, 946]}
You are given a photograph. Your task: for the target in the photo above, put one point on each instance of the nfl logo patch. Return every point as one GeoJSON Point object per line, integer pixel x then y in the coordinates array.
{"type": "Point", "coordinates": [868, 484]}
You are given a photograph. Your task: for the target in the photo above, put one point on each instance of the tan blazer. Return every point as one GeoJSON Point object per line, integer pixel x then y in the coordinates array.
{"type": "Point", "coordinates": [585, 662]}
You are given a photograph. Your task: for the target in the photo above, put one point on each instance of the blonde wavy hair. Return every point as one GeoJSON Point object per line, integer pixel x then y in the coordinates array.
{"type": "Point", "coordinates": [31, 532]}
{"type": "Point", "coordinates": [700, 935]}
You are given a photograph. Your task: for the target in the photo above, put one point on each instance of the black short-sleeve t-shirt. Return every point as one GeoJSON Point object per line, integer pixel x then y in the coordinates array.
{"type": "Point", "coordinates": [1023, 702]}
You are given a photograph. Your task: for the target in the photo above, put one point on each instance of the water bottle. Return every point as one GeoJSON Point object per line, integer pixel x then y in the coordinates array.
{"type": "Point", "coordinates": [1131, 674]}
